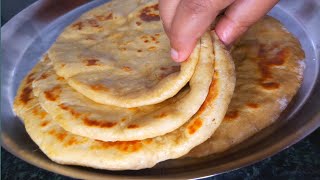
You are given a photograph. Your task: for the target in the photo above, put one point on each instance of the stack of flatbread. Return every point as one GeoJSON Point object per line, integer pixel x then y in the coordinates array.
{"type": "Point", "coordinates": [107, 94]}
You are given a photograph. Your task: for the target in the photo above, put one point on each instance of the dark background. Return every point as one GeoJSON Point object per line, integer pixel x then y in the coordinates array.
{"type": "Point", "coordinates": [300, 161]}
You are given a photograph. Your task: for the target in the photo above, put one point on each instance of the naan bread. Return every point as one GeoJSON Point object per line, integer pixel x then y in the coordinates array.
{"type": "Point", "coordinates": [269, 67]}
{"type": "Point", "coordinates": [66, 148]}
{"type": "Point", "coordinates": [118, 54]}
{"type": "Point", "coordinates": [82, 116]}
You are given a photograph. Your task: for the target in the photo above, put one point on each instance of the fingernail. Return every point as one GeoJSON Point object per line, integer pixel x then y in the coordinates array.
{"type": "Point", "coordinates": [224, 36]}
{"type": "Point", "coordinates": [174, 55]}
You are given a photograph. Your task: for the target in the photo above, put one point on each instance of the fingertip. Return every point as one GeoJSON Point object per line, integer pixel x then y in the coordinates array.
{"type": "Point", "coordinates": [228, 29]}
{"type": "Point", "coordinates": [178, 56]}
{"type": "Point", "coordinates": [224, 31]}
{"type": "Point", "coordinates": [174, 55]}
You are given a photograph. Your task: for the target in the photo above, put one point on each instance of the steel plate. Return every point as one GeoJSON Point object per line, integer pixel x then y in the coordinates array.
{"type": "Point", "coordinates": [30, 33]}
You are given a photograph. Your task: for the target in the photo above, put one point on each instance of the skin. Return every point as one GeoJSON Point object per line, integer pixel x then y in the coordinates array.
{"type": "Point", "coordinates": [186, 20]}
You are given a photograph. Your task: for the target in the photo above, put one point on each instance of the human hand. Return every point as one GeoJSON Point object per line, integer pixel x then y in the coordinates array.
{"type": "Point", "coordinates": [186, 20]}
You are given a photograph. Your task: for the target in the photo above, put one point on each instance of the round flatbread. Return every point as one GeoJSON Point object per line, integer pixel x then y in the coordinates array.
{"type": "Point", "coordinates": [82, 116]}
{"type": "Point", "coordinates": [66, 148]}
{"type": "Point", "coordinates": [118, 54]}
{"type": "Point", "coordinates": [269, 67]}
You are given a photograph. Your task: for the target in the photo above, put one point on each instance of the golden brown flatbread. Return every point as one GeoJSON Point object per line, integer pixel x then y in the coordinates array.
{"type": "Point", "coordinates": [66, 148]}
{"type": "Point", "coordinates": [118, 54]}
{"type": "Point", "coordinates": [80, 115]}
{"type": "Point", "coordinates": [269, 67]}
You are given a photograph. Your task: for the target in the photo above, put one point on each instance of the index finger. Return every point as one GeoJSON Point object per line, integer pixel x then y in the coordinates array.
{"type": "Point", "coordinates": [239, 16]}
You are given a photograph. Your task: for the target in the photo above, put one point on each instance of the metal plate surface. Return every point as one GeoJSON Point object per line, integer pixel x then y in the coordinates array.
{"type": "Point", "coordinates": [30, 33]}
